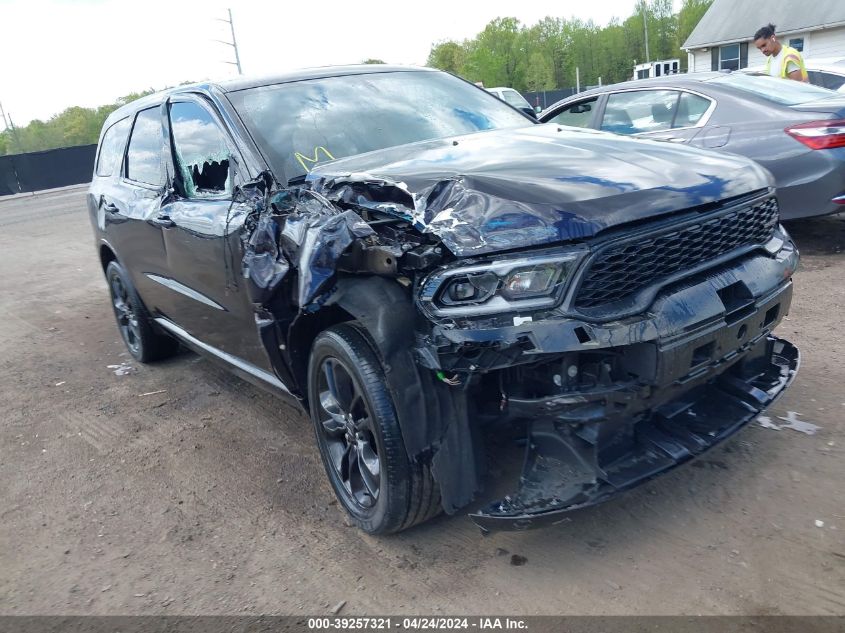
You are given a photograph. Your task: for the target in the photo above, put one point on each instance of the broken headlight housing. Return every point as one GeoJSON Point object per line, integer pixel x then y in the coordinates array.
{"type": "Point", "coordinates": [503, 285]}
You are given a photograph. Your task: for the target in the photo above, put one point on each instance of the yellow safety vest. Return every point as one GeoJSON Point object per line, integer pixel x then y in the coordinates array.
{"type": "Point", "coordinates": [789, 55]}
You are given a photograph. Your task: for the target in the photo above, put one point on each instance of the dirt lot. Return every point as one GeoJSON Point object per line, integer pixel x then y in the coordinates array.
{"type": "Point", "coordinates": [208, 497]}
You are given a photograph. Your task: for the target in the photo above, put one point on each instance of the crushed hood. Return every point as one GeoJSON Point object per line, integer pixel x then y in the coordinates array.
{"type": "Point", "coordinates": [514, 188]}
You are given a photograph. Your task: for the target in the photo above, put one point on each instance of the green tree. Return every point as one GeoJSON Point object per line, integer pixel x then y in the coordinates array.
{"type": "Point", "coordinates": [494, 54]}
{"type": "Point", "coordinates": [689, 16]}
{"type": "Point", "coordinates": [372, 61]}
{"type": "Point", "coordinates": [539, 75]}
{"type": "Point", "coordinates": [449, 56]}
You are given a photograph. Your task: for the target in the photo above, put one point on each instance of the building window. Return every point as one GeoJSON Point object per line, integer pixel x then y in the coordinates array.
{"type": "Point", "coordinates": [729, 57]}
{"type": "Point", "coordinates": [797, 43]}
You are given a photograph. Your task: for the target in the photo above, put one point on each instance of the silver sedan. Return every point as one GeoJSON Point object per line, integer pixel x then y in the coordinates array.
{"type": "Point", "coordinates": [795, 130]}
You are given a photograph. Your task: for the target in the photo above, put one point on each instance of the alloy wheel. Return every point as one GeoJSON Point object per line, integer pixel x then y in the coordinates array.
{"type": "Point", "coordinates": [347, 428]}
{"type": "Point", "coordinates": [127, 320]}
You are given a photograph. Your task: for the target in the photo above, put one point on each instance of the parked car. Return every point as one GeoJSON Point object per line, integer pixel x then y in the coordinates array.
{"type": "Point", "coordinates": [514, 98]}
{"type": "Point", "coordinates": [421, 267]}
{"type": "Point", "coordinates": [827, 72]}
{"type": "Point", "coordinates": [795, 130]}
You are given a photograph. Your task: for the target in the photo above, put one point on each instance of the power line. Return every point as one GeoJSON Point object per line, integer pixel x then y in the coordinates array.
{"type": "Point", "coordinates": [233, 43]}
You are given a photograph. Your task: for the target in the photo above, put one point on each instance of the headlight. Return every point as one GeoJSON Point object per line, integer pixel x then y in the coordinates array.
{"type": "Point", "coordinates": [498, 286]}
{"type": "Point", "coordinates": [537, 281]}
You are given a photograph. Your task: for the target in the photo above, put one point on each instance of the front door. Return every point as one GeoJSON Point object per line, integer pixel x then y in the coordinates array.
{"type": "Point", "coordinates": [202, 228]}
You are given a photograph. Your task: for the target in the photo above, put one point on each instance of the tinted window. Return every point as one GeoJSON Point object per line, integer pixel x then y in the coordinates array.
{"type": "Point", "coordinates": [816, 78]}
{"type": "Point", "coordinates": [690, 109]}
{"type": "Point", "coordinates": [143, 158]}
{"type": "Point", "coordinates": [832, 81]}
{"type": "Point", "coordinates": [111, 148]}
{"type": "Point", "coordinates": [577, 115]}
{"type": "Point", "coordinates": [201, 152]}
{"type": "Point", "coordinates": [639, 111]}
{"type": "Point", "coordinates": [774, 89]}
{"type": "Point", "coordinates": [729, 57]}
{"type": "Point", "coordinates": [797, 43]}
{"type": "Point", "coordinates": [298, 125]}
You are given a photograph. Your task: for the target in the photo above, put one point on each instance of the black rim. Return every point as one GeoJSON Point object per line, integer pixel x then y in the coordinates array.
{"type": "Point", "coordinates": [127, 321]}
{"type": "Point", "coordinates": [347, 430]}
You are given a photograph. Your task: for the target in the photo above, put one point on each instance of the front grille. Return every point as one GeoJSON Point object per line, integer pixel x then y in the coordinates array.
{"type": "Point", "coordinates": [621, 270]}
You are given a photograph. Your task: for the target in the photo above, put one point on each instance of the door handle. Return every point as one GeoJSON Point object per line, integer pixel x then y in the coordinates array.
{"type": "Point", "coordinates": [163, 221]}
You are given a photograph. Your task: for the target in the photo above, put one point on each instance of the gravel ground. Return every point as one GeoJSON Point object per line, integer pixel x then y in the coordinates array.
{"type": "Point", "coordinates": [179, 489]}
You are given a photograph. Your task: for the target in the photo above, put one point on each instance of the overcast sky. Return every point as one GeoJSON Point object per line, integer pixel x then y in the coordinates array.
{"type": "Point", "coordinates": [89, 52]}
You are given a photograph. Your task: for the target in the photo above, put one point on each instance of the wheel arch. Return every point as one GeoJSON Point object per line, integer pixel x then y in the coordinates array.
{"type": "Point", "coordinates": [433, 417]}
{"type": "Point", "coordinates": [107, 255]}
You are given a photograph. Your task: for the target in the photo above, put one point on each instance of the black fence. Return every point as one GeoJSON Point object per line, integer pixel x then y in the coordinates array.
{"type": "Point", "coordinates": [546, 98]}
{"type": "Point", "coordinates": [46, 170]}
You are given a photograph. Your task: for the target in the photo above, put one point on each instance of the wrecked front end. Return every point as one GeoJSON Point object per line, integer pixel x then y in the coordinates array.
{"type": "Point", "coordinates": [622, 345]}
{"type": "Point", "coordinates": [648, 348]}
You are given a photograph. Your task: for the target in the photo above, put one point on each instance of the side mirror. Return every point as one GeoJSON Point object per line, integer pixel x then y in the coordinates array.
{"type": "Point", "coordinates": [537, 109]}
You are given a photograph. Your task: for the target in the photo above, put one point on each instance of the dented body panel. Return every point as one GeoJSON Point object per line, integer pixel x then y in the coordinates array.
{"type": "Point", "coordinates": [610, 299]}
{"type": "Point", "coordinates": [544, 184]}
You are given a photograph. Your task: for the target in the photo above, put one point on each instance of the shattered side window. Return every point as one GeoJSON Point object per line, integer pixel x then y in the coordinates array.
{"type": "Point", "coordinates": [143, 158]}
{"type": "Point", "coordinates": [201, 152]}
{"type": "Point", "coordinates": [302, 124]}
{"type": "Point", "coordinates": [111, 147]}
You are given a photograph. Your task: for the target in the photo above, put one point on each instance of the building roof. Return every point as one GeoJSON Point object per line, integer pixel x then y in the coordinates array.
{"type": "Point", "coordinates": [731, 21]}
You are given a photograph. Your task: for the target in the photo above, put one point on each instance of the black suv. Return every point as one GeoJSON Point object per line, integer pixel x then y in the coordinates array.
{"type": "Point", "coordinates": [424, 268]}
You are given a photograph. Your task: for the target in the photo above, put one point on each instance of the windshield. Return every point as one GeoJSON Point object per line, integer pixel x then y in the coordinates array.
{"type": "Point", "coordinates": [515, 99]}
{"type": "Point", "coordinates": [783, 91]}
{"type": "Point", "coordinates": [301, 124]}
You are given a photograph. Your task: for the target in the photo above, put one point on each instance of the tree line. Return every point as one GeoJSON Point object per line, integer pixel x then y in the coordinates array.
{"type": "Point", "coordinates": [544, 56]}
{"type": "Point", "coordinates": [72, 126]}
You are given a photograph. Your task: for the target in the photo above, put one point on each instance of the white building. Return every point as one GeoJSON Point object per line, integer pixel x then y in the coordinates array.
{"type": "Point", "coordinates": [723, 37]}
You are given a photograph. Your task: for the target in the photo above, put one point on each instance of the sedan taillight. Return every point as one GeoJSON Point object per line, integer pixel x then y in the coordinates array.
{"type": "Point", "coordinates": [819, 134]}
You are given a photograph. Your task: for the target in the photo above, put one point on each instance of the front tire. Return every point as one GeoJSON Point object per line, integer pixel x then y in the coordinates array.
{"type": "Point", "coordinates": [359, 437]}
{"type": "Point", "coordinates": [133, 320]}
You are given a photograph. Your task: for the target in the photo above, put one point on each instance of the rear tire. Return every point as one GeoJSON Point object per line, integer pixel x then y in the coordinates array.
{"type": "Point", "coordinates": [359, 437]}
{"type": "Point", "coordinates": [133, 321]}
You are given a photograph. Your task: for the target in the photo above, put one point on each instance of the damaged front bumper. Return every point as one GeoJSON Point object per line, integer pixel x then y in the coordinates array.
{"type": "Point", "coordinates": [569, 466]}
{"type": "Point", "coordinates": [609, 404]}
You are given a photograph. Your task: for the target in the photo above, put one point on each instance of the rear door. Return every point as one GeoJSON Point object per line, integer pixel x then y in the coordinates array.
{"type": "Point", "coordinates": [207, 296]}
{"type": "Point", "coordinates": [129, 204]}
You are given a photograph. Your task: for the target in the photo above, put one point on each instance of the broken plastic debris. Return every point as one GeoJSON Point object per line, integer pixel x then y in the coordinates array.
{"type": "Point", "coordinates": [59, 384]}
{"type": "Point", "coordinates": [766, 422]}
{"type": "Point", "coordinates": [122, 370]}
{"type": "Point", "coordinates": [792, 422]}
{"type": "Point", "coordinates": [152, 393]}
{"type": "Point", "coordinates": [819, 523]}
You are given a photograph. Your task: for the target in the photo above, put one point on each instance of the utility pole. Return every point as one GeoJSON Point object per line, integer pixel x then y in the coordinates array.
{"type": "Point", "coordinates": [233, 43]}
{"type": "Point", "coordinates": [645, 28]}
{"type": "Point", "coordinates": [9, 125]}
{"type": "Point", "coordinates": [577, 80]}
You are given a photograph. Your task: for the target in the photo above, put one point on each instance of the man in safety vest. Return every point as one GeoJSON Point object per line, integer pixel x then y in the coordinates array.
{"type": "Point", "coordinates": [781, 61]}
